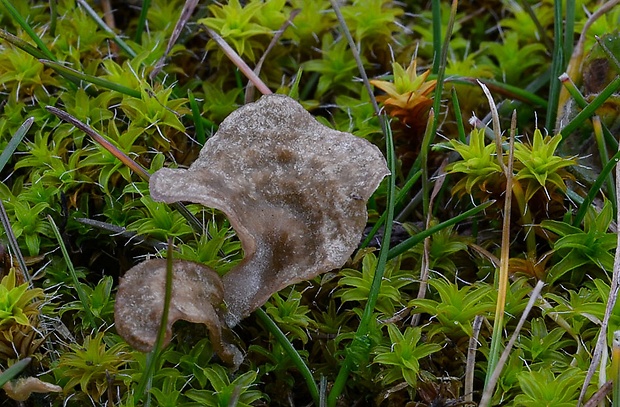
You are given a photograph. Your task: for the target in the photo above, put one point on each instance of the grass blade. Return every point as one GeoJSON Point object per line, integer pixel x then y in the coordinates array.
{"type": "Point", "coordinates": [360, 338]}
{"type": "Point", "coordinates": [557, 67]}
{"type": "Point", "coordinates": [17, 138]}
{"type": "Point", "coordinates": [439, 66]}
{"type": "Point", "coordinates": [199, 128]}
{"type": "Point", "coordinates": [595, 188]}
{"type": "Point", "coordinates": [93, 14]}
{"type": "Point", "coordinates": [572, 89]}
{"type": "Point", "coordinates": [399, 198]}
{"type": "Point", "coordinates": [6, 224]}
{"type": "Point", "coordinates": [502, 284]}
{"type": "Point", "coordinates": [509, 91]}
{"type": "Point", "coordinates": [542, 33]}
{"type": "Point", "coordinates": [436, 26]}
{"type": "Point", "coordinates": [589, 110]}
{"type": "Point", "coordinates": [142, 20]}
{"type": "Point", "coordinates": [601, 341]}
{"type": "Point", "coordinates": [153, 356]}
{"type": "Point", "coordinates": [290, 350]}
{"type": "Point", "coordinates": [53, 16]}
{"type": "Point", "coordinates": [458, 116]}
{"type": "Point", "coordinates": [73, 74]}
{"type": "Point", "coordinates": [603, 155]}
{"type": "Point", "coordinates": [418, 237]}
{"type": "Point", "coordinates": [494, 378]}
{"type": "Point", "coordinates": [569, 29]}
{"type": "Point", "coordinates": [21, 44]}
{"type": "Point", "coordinates": [76, 282]}
{"type": "Point", "coordinates": [615, 369]}
{"type": "Point", "coordinates": [24, 24]}
{"type": "Point", "coordinates": [13, 371]}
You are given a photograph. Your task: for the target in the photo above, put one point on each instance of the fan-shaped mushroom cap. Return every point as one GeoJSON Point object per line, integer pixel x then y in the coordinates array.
{"type": "Point", "coordinates": [197, 291]}
{"type": "Point", "coordinates": [294, 190]}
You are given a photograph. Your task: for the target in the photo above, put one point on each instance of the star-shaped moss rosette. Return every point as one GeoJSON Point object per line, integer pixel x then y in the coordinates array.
{"type": "Point", "coordinates": [408, 96]}
{"type": "Point", "coordinates": [295, 192]}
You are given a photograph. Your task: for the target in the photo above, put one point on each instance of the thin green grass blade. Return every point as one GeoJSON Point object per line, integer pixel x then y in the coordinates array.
{"type": "Point", "coordinates": [360, 338]}
{"type": "Point", "coordinates": [310, 84]}
{"type": "Point", "coordinates": [429, 135]}
{"type": "Point", "coordinates": [6, 224]}
{"type": "Point", "coordinates": [589, 110]}
{"type": "Point", "coordinates": [26, 27]}
{"type": "Point", "coordinates": [21, 44]}
{"type": "Point", "coordinates": [151, 360]}
{"type": "Point", "coordinates": [604, 155]}
{"type": "Point", "coordinates": [595, 189]}
{"type": "Point", "coordinates": [615, 369]}
{"type": "Point", "coordinates": [436, 27]}
{"type": "Point", "coordinates": [399, 198]}
{"type": "Point", "coordinates": [294, 92]}
{"type": "Point", "coordinates": [539, 82]}
{"type": "Point", "coordinates": [418, 237]}
{"type": "Point", "coordinates": [542, 33]}
{"type": "Point", "coordinates": [569, 29]}
{"type": "Point", "coordinates": [373, 294]}
{"type": "Point", "coordinates": [76, 282]}
{"type": "Point", "coordinates": [29, 49]}
{"type": "Point", "coordinates": [93, 14]}
{"type": "Point", "coordinates": [583, 104]}
{"type": "Point", "coordinates": [146, 4]}
{"type": "Point", "coordinates": [53, 16]}
{"type": "Point", "coordinates": [503, 89]}
{"type": "Point", "coordinates": [458, 116]}
{"type": "Point", "coordinates": [441, 63]}
{"type": "Point", "coordinates": [13, 371]}
{"type": "Point", "coordinates": [73, 74]}
{"type": "Point", "coordinates": [199, 127]}
{"type": "Point", "coordinates": [17, 138]}
{"type": "Point", "coordinates": [557, 67]}
{"type": "Point", "coordinates": [433, 118]}
{"type": "Point", "coordinates": [290, 350]}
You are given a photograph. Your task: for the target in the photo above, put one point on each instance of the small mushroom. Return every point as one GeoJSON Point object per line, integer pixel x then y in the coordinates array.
{"type": "Point", "coordinates": [21, 389]}
{"type": "Point", "coordinates": [197, 293]}
{"type": "Point", "coordinates": [294, 190]}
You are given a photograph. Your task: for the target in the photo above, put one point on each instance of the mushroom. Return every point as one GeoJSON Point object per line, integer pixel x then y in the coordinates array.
{"type": "Point", "coordinates": [21, 389]}
{"type": "Point", "coordinates": [294, 190]}
{"type": "Point", "coordinates": [197, 294]}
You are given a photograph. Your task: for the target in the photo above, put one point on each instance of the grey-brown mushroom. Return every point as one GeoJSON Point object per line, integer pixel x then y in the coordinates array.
{"type": "Point", "coordinates": [294, 190]}
{"type": "Point", "coordinates": [197, 296]}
